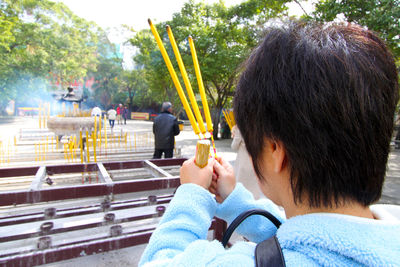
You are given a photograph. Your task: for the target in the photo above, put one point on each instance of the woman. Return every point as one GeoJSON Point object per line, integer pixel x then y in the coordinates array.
{"type": "Point", "coordinates": [315, 106]}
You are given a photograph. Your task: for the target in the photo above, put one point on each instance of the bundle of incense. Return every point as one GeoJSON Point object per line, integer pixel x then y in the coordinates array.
{"type": "Point", "coordinates": [197, 120]}
{"type": "Point", "coordinates": [202, 153]}
{"type": "Point", "coordinates": [230, 119]}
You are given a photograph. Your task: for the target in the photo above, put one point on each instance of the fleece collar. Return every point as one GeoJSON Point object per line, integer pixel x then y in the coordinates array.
{"type": "Point", "coordinates": [342, 239]}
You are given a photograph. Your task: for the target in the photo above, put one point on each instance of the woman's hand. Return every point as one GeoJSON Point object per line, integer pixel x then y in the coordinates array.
{"type": "Point", "coordinates": [191, 173]}
{"type": "Point", "coordinates": [223, 180]}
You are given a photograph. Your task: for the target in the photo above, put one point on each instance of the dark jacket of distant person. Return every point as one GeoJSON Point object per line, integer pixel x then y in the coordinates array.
{"type": "Point", "coordinates": [165, 127]}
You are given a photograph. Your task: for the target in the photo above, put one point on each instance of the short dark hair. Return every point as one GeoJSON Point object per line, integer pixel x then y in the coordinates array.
{"type": "Point", "coordinates": [328, 93]}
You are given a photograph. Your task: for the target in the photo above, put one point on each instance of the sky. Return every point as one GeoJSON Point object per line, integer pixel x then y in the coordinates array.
{"type": "Point", "coordinates": [111, 14]}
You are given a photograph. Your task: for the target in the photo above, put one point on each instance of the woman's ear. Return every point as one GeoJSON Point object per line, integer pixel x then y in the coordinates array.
{"type": "Point", "coordinates": [277, 155]}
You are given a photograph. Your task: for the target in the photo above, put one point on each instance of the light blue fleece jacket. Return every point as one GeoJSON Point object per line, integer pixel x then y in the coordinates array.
{"type": "Point", "coordinates": [307, 240]}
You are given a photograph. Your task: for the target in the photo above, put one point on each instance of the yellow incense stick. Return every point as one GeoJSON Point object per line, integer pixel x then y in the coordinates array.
{"type": "Point", "coordinates": [71, 149]}
{"type": "Point", "coordinates": [202, 93]}
{"type": "Point", "coordinates": [95, 138]}
{"type": "Point", "coordinates": [100, 119]}
{"type": "Point", "coordinates": [65, 152]}
{"type": "Point", "coordinates": [227, 119]}
{"type": "Point", "coordinates": [87, 146]}
{"type": "Point", "coordinates": [232, 116]}
{"type": "Point", "coordinates": [175, 79]}
{"type": "Point", "coordinates": [186, 81]}
{"type": "Point", "coordinates": [201, 85]}
{"type": "Point", "coordinates": [81, 144]}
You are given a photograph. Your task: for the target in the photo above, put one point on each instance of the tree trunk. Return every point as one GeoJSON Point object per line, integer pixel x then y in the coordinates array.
{"type": "Point", "coordinates": [215, 119]}
{"type": "Point", "coordinates": [131, 94]}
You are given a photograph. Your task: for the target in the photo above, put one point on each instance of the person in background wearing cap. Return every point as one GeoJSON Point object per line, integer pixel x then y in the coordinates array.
{"type": "Point", "coordinates": [165, 127]}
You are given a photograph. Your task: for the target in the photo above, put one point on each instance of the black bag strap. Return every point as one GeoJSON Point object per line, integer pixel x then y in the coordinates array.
{"type": "Point", "coordinates": [269, 253]}
{"type": "Point", "coordinates": [239, 219]}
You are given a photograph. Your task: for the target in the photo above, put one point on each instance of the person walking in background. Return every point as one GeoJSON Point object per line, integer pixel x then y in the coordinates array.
{"type": "Point", "coordinates": [165, 127]}
{"type": "Point", "coordinates": [125, 113]}
{"type": "Point", "coordinates": [111, 113]}
{"type": "Point", "coordinates": [119, 113]}
{"type": "Point", "coordinates": [96, 111]}
{"type": "Point", "coordinates": [243, 167]}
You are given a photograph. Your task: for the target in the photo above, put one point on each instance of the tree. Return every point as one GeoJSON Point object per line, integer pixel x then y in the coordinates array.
{"type": "Point", "coordinates": [151, 64]}
{"type": "Point", "coordinates": [133, 82]}
{"type": "Point", "coordinates": [42, 42]}
{"type": "Point", "coordinates": [223, 37]}
{"type": "Point", "coordinates": [108, 74]}
{"type": "Point", "coordinates": [381, 16]}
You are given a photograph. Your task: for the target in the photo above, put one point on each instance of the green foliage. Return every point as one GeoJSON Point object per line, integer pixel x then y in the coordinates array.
{"type": "Point", "coordinates": [41, 40]}
{"type": "Point", "coordinates": [134, 85]}
{"type": "Point", "coordinates": [223, 36]}
{"type": "Point", "coordinates": [107, 74]}
{"type": "Point", "coordinates": [381, 16]}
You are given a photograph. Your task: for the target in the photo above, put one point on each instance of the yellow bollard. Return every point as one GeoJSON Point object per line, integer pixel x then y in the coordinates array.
{"type": "Point", "coordinates": [75, 146]}
{"type": "Point", "coordinates": [71, 148]}
{"type": "Point", "coordinates": [105, 133]}
{"type": "Point", "coordinates": [66, 152]}
{"type": "Point", "coordinates": [81, 144]}
{"type": "Point", "coordinates": [94, 146]}
{"type": "Point", "coordinates": [130, 141]}
{"type": "Point", "coordinates": [95, 138]}
{"type": "Point", "coordinates": [100, 119]}
{"type": "Point", "coordinates": [126, 140]}
{"type": "Point", "coordinates": [87, 146]}
{"type": "Point", "coordinates": [57, 142]}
